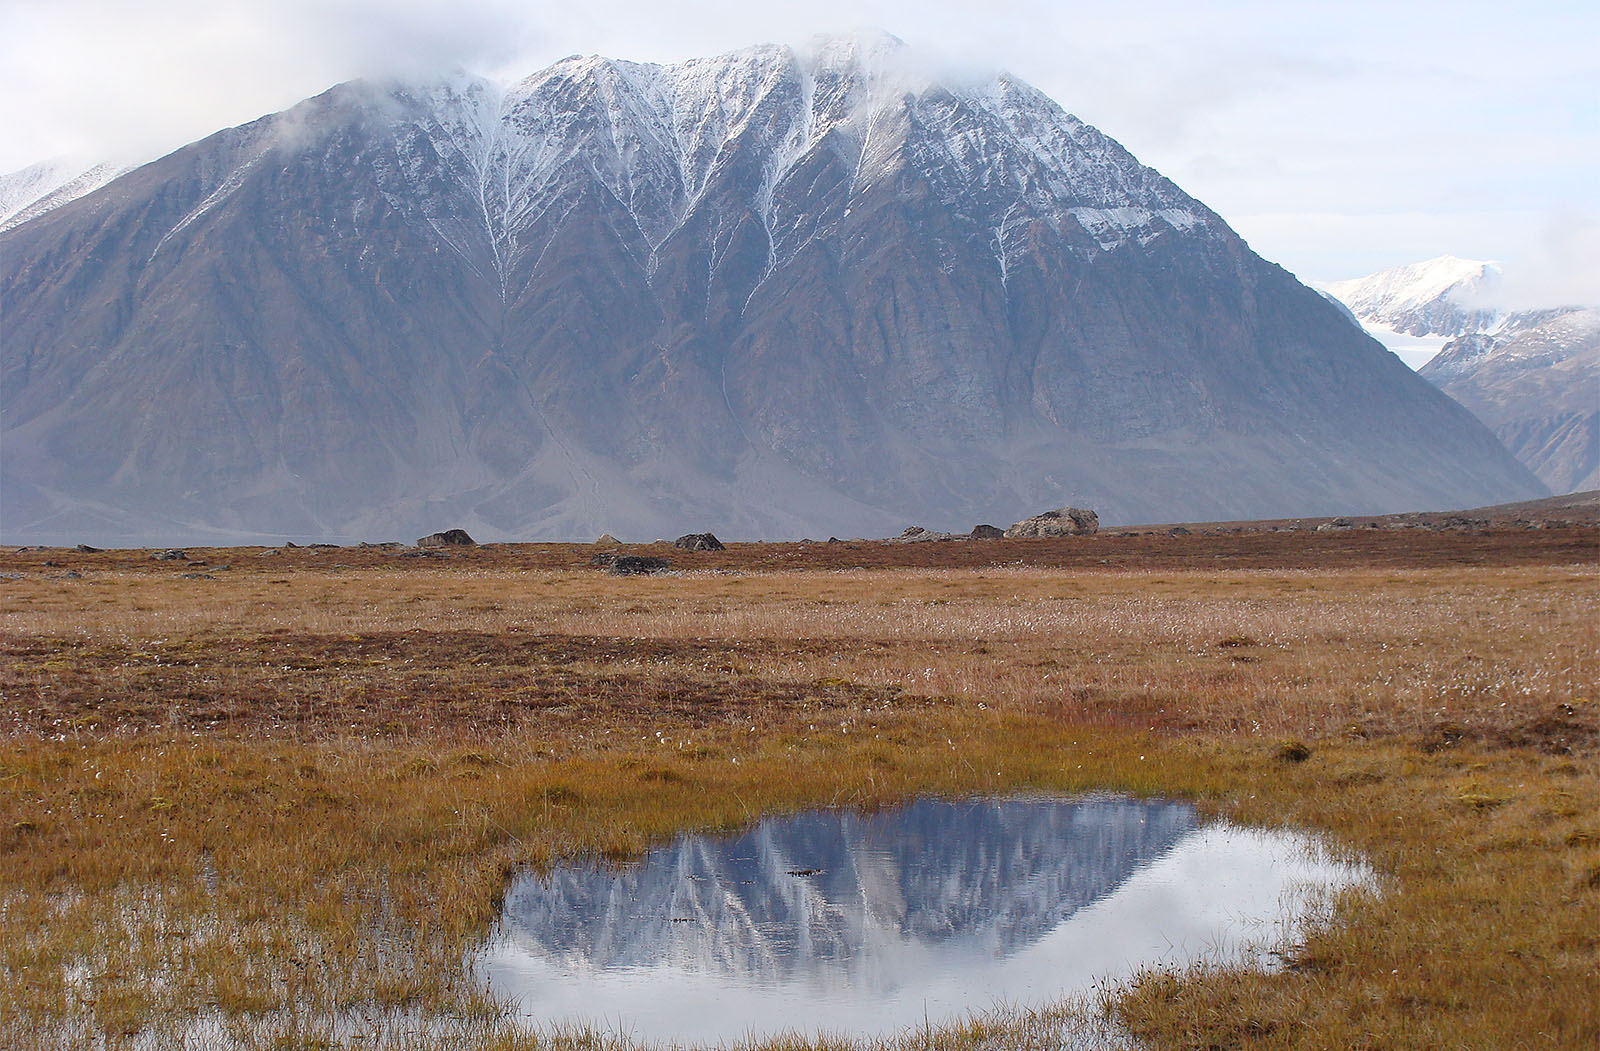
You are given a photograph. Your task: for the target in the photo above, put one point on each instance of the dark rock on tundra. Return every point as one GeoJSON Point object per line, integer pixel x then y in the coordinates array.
{"type": "Point", "coordinates": [448, 538]}
{"type": "Point", "coordinates": [698, 542]}
{"type": "Point", "coordinates": [607, 540]}
{"type": "Point", "coordinates": [638, 565]}
{"type": "Point", "coordinates": [1064, 521]}
{"type": "Point", "coordinates": [171, 554]}
{"type": "Point", "coordinates": [987, 532]}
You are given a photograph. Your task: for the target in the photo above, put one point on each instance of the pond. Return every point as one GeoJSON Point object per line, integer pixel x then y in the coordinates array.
{"type": "Point", "coordinates": [867, 923]}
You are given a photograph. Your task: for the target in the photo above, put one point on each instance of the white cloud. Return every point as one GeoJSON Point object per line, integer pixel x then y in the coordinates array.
{"type": "Point", "coordinates": [1559, 267]}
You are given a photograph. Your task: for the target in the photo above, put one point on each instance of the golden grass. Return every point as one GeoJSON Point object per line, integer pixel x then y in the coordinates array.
{"type": "Point", "coordinates": [283, 802]}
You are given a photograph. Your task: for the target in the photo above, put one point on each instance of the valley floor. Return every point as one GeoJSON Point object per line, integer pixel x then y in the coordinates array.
{"type": "Point", "coordinates": [271, 797]}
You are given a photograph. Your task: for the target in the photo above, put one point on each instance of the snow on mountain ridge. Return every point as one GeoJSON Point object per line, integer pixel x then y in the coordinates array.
{"type": "Point", "coordinates": [666, 130]}
{"type": "Point", "coordinates": [864, 96]}
{"type": "Point", "coordinates": [40, 187]}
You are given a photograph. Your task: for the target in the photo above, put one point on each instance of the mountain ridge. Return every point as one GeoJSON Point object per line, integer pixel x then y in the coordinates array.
{"type": "Point", "coordinates": [1535, 380]}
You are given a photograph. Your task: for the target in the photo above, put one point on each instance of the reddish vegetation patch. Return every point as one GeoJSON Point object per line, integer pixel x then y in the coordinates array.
{"type": "Point", "coordinates": [449, 684]}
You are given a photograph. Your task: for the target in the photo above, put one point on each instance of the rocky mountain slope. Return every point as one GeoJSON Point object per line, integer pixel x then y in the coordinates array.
{"type": "Point", "coordinates": [771, 293]}
{"type": "Point", "coordinates": [1536, 382]}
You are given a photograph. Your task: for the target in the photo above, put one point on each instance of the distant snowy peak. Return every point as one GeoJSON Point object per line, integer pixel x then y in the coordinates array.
{"type": "Point", "coordinates": [38, 188]}
{"type": "Point", "coordinates": [1446, 296]}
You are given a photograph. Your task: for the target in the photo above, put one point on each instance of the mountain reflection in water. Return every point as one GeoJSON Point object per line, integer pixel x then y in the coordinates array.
{"type": "Point", "coordinates": [841, 921]}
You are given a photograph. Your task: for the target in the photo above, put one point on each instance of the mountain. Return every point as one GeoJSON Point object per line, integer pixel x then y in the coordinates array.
{"type": "Point", "coordinates": [1440, 297]}
{"type": "Point", "coordinates": [1536, 382]}
{"type": "Point", "coordinates": [771, 293]}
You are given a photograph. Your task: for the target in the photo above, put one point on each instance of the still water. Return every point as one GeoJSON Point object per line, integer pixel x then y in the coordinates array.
{"type": "Point", "coordinates": [842, 922]}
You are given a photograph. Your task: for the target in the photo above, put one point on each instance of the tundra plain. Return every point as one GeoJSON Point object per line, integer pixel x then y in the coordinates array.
{"type": "Point", "coordinates": [270, 797]}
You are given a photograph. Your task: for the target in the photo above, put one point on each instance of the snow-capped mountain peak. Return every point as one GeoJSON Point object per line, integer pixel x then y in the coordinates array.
{"type": "Point", "coordinates": [1446, 296]}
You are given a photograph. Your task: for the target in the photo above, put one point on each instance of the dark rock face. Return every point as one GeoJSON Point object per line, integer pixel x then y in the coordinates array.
{"type": "Point", "coordinates": [698, 542]}
{"type": "Point", "coordinates": [1536, 383]}
{"type": "Point", "coordinates": [1065, 521]}
{"type": "Point", "coordinates": [637, 565]}
{"type": "Point", "coordinates": [448, 538]}
{"type": "Point", "coordinates": [794, 294]}
{"type": "Point", "coordinates": [987, 532]}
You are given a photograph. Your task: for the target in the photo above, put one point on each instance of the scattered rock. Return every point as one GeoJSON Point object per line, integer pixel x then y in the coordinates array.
{"type": "Point", "coordinates": [86, 549]}
{"type": "Point", "coordinates": [987, 532]}
{"type": "Point", "coordinates": [71, 574]}
{"type": "Point", "coordinates": [448, 538]}
{"type": "Point", "coordinates": [607, 540]}
{"type": "Point", "coordinates": [387, 545]}
{"type": "Point", "coordinates": [917, 535]}
{"type": "Point", "coordinates": [1336, 524]}
{"type": "Point", "coordinates": [198, 576]}
{"type": "Point", "coordinates": [638, 565]}
{"type": "Point", "coordinates": [698, 542]}
{"type": "Point", "coordinates": [290, 544]}
{"type": "Point", "coordinates": [1064, 521]}
{"type": "Point", "coordinates": [171, 554]}
{"type": "Point", "coordinates": [1179, 531]}
{"type": "Point", "coordinates": [603, 559]}
{"type": "Point", "coordinates": [420, 553]}
{"type": "Point", "coordinates": [1463, 522]}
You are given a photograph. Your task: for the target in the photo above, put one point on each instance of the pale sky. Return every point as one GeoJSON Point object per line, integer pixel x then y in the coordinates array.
{"type": "Point", "coordinates": [1338, 138]}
